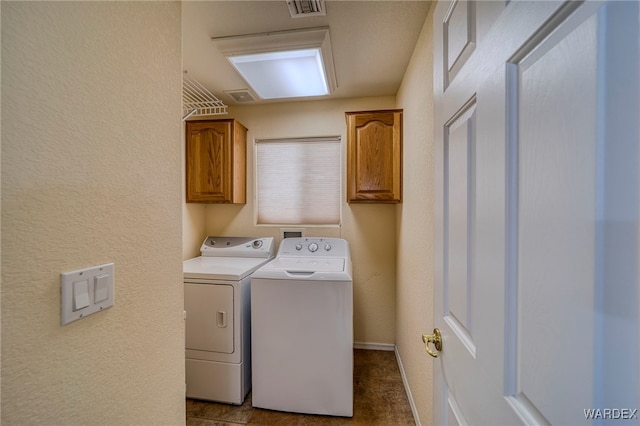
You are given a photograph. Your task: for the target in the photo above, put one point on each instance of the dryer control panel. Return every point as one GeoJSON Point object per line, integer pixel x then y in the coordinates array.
{"type": "Point", "coordinates": [309, 246]}
{"type": "Point", "coordinates": [238, 247]}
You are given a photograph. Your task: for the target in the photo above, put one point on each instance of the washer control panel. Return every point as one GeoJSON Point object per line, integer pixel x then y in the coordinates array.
{"type": "Point", "coordinates": [333, 247]}
{"type": "Point", "coordinates": [238, 247]}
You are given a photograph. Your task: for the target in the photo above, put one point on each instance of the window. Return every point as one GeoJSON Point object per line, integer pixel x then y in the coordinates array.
{"type": "Point", "coordinates": [298, 181]}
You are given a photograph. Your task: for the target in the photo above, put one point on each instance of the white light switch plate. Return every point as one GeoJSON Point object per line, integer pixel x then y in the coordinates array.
{"type": "Point", "coordinates": [99, 292]}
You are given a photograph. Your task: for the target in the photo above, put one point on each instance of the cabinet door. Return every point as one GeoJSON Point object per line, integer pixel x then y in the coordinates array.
{"type": "Point", "coordinates": [374, 156]}
{"type": "Point", "coordinates": [209, 154]}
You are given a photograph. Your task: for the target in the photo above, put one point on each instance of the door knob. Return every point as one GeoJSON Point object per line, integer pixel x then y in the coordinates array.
{"type": "Point", "coordinates": [436, 339]}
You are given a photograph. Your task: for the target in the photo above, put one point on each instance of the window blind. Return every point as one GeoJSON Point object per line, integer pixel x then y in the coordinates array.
{"type": "Point", "coordinates": [298, 181]}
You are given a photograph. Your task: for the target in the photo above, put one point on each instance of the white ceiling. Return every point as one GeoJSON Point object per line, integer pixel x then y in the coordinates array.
{"type": "Point", "coordinates": [372, 40]}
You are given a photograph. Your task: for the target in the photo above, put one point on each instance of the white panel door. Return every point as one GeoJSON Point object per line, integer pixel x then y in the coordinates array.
{"type": "Point", "coordinates": [537, 210]}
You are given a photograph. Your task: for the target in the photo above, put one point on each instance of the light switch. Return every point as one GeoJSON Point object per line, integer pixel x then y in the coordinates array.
{"type": "Point", "coordinates": [101, 288]}
{"type": "Point", "coordinates": [85, 292]}
{"type": "Point", "coordinates": [80, 294]}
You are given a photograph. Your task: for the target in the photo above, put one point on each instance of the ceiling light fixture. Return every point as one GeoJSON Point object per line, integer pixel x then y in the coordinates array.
{"type": "Point", "coordinates": [283, 64]}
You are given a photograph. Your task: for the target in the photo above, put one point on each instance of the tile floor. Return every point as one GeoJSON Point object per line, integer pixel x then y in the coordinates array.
{"type": "Point", "coordinates": [379, 399]}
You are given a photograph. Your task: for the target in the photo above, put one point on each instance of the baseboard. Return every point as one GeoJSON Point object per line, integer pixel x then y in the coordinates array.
{"type": "Point", "coordinates": [375, 346]}
{"type": "Point", "coordinates": [412, 403]}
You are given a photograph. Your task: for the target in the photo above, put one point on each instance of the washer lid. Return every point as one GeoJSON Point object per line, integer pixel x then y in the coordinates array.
{"type": "Point", "coordinates": [221, 268]}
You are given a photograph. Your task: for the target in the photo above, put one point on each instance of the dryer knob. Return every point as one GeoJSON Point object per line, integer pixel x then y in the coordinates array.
{"type": "Point", "coordinates": [313, 247]}
{"type": "Point", "coordinates": [327, 247]}
{"type": "Point", "coordinates": [298, 247]}
{"type": "Point", "coordinates": [257, 244]}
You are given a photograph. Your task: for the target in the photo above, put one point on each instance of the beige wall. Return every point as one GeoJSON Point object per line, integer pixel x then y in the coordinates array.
{"type": "Point", "coordinates": [370, 229]}
{"type": "Point", "coordinates": [91, 174]}
{"type": "Point", "coordinates": [193, 226]}
{"type": "Point", "coordinates": [414, 290]}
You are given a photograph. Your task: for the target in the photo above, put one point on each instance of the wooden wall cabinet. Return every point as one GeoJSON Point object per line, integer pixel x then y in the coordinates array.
{"type": "Point", "coordinates": [216, 157]}
{"type": "Point", "coordinates": [374, 156]}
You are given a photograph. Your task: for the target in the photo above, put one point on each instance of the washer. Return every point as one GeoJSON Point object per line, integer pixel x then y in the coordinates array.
{"type": "Point", "coordinates": [217, 301]}
{"type": "Point", "coordinates": [302, 322]}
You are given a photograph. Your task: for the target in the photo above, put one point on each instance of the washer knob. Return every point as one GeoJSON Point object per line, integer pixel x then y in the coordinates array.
{"type": "Point", "coordinates": [257, 244]}
{"type": "Point", "coordinates": [298, 247]}
{"type": "Point", "coordinates": [327, 247]}
{"type": "Point", "coordinates": [313, 247]}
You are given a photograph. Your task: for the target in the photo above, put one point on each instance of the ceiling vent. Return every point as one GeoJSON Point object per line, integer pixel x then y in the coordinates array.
{"type": "Point", "coordinates": [243, 95]}
{"type": "Point", "coordinates": [301, 8]}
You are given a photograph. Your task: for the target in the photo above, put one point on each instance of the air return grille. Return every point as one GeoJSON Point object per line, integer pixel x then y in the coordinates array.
{"type": "Point", "coordinates": [241, 95]}
{"type": "Point", "coordinates": [300, 8]}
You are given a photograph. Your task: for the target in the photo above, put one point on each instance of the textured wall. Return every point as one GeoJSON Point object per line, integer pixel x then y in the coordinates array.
{"type": "Point", "coordinates": [193, 228]}
{"type": "Point", "coordinates": [91, 172]}
{"type": "Point", "coordinates": [415, 225]}
{"type": "Point", "coordinates": [370, 229]}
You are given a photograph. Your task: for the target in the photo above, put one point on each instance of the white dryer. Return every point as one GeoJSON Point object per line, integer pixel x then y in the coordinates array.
{"type": "Point", "coordinates": [218, 316]}
{"type": "Point", "coordinates": [302, 329]}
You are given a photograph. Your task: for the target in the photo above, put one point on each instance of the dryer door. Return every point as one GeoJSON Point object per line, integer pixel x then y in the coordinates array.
{"type": "Point", "coordinates": [210, 317]}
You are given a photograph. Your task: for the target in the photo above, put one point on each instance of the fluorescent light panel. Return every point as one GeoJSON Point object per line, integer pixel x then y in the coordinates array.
{"type": "Point", "coordinates": [286, 74]}
{"type": "Point", "coordinates": [283, 64]}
